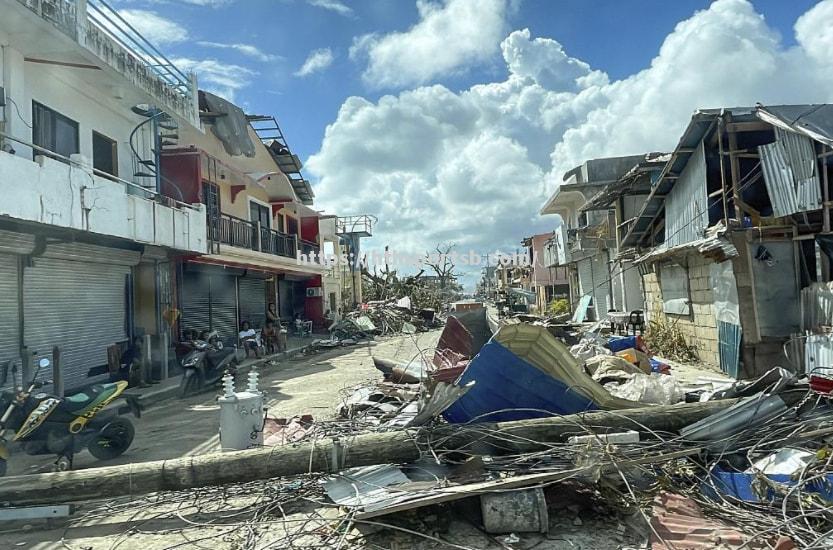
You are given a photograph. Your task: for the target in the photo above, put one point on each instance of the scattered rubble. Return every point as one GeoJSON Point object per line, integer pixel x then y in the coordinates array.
{"type": "Point", "coordinates": [491, 466]}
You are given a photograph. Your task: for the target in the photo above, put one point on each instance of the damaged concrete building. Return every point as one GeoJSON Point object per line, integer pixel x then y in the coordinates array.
{"type": "Point", "coordinates": [587, 240]}
{"type": "Point", "coordinates": [726, 238]}
{"type": "Point", "coordinates": [735, 227]}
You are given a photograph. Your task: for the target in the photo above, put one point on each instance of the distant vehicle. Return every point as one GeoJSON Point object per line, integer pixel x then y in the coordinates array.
{"type": "Point", "coordinates": [206, 364]}
{"type": "Point", "coordinates": [46, 424]}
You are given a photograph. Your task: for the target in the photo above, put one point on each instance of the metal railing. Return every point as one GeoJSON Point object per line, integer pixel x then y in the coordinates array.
{"type": "Point", "coordinates": [115, 26]}
{"type": "Point", "coordinates": [234, 231]}
{"type": "Point", "coordinates": [308, 247]}
{"type": "Point", "coordinates": [140, 190]}
{"type": "Point", "coordinates": [355, 224]}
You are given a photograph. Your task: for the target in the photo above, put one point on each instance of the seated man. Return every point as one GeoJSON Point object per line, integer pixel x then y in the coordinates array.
{"type": "Point", "coordinates": [270, 337]}
{"type": "Point", "coordinates": [302, 328]}
{"type": "Point", "coordinates": [249, 339]}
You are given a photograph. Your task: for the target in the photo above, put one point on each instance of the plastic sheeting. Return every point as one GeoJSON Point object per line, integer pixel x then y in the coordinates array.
{"type": "Point", "coordinates": [525, 372]}
{"type": "Point", "coordinates": [725, 291]}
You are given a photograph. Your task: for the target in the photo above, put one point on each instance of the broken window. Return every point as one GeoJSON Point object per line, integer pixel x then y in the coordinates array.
{"type": "Point", "coordinates": [673, 282]}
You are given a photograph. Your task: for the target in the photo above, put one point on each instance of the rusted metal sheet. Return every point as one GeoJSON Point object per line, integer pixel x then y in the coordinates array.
{"type": "Point", "coordinates": [678, 522]}
{"type": "Point", "coordinates": [456, 338]}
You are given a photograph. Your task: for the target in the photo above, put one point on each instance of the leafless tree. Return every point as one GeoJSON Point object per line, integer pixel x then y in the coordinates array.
{"type": "Point", "coordinates": [440, 262]}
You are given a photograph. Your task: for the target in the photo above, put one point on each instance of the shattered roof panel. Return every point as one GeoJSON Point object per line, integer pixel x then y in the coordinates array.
{"type": "Point", "coordinates": [814, 121]}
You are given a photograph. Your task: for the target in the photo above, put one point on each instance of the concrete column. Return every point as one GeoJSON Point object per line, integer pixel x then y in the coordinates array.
{"type": "Point", "coordinates": [18, 112]}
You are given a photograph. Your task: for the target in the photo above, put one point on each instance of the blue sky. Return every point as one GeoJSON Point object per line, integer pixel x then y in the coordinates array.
{"type": "Point", "coordinates": [618, 37]}
{"type": "Point", "coordinates": [453, 121]}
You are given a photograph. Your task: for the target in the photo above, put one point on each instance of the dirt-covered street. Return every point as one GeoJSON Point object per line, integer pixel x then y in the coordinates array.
{"type": "Point", "coordinates": [303, 385]}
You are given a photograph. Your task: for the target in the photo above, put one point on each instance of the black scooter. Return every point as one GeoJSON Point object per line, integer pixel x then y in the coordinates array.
{"type": "Point", "coordinates": [206, 364]}
{"type": "Point", "coordinates": [42, 424]}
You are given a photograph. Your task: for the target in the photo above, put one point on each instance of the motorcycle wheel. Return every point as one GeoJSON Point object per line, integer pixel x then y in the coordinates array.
{"type": "Point", "coordinates": [113, 440]}
{"type": "Point", "coordinates": [3, 465]}
{"type": "Point", "coordinates": [189, 384]}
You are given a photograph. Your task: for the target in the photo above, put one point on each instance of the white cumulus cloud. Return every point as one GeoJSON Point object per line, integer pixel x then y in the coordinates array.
{"type": "Point", "coordinates": [475, 167]}
{"type": "Point", "coordinates": [223, 79]}
{"type": "Point", "coordinates": [450, 36]}
{"type": "Point", "coordinates": [317, 61]}
{"type": "Point", "coordinates": [332, 5]}
{"type": "Point", "coordinates": [245, 49]}
{"type": "Point", "coordinates": [157, 29]}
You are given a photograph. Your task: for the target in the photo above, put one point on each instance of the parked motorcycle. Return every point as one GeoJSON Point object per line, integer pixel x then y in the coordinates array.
{"type": "Point", "coordinates": [46, 424]}
{"type": "Point", "coordinates": [206, 364]}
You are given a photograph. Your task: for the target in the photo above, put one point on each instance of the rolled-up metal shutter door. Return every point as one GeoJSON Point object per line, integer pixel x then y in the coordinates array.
{"type": "Point", "coordinates": [224, 307]}
{"type": "Point", "coordinates": [9, 315]}
{"type": "Point", "coordinates": [585, 282]}
{"type": "Point", "coordinates": [252, 296]}
{"type": "Point", "coordinates": [78, 306]}
{"type": "Point", "coordinates": [196, 310]}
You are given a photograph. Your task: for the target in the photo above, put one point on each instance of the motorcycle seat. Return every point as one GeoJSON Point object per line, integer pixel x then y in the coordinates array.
{"type": "Point", "coordinates": [78, 402]}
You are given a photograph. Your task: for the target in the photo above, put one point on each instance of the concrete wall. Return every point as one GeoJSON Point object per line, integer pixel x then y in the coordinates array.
{"type": "Point", "coordinates": [699, 328]}
{"type": "Point", "coordinates": [71, 197]}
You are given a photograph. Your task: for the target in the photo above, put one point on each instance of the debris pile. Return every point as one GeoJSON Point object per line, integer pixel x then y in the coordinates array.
{"type": "Point", "coordinates": [521, 441]}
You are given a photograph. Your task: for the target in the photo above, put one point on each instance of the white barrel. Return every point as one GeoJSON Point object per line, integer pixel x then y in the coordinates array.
{"type": "Point", "coordinates": [241, 420]}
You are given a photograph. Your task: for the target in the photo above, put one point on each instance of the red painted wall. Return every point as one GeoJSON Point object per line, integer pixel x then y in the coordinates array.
{"type": "Point", "coordinates": [181, 176]}
{"type": "Point", "coordinates": [309, 229]}
{"type": "Point", "coordinates": [314, 306]}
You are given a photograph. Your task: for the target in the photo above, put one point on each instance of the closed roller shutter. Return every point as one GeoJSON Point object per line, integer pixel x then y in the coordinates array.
{"type": "Point", "coordinates": [9, 318]}
{"type": "Point", "coordinates": [252, 296]}
{"type": "Point", "coordinates": [196, 311]}
{"type": "Point", "coordinates": [224, 307]}
{"type": "Point", "coordinates": [78, 306]}
{"type": "Point", "coordinates": [209, 302]}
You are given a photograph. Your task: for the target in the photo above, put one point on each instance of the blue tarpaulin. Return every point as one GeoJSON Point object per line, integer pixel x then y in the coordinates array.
{"type": "Point", "coordinates": [740, 486]}
{"type": "Point", "coordinates": [505, 381]}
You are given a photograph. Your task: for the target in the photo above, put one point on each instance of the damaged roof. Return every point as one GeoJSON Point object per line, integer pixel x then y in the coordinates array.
{"type": "Point", "coordinates": [815, 121]}
{"type": "Point", "coordinates": [632, 183]}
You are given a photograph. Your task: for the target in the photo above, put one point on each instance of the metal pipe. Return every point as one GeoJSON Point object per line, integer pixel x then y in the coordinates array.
{"type": "Point", "coordinates": [826, 190]}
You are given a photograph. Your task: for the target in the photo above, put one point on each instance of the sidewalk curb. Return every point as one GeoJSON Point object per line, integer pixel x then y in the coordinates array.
{"type": "Point", "coordinates": [171, 391]}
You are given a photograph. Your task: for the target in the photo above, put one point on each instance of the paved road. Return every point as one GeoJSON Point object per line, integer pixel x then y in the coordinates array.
{"type": "Point", "coordinates": [304, 385]}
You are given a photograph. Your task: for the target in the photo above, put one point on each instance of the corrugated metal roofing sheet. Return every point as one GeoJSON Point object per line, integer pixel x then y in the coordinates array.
{"type": "Point", "coordinates": [789, 168]}
{"type": "Point", "coordinates": [814, 121]}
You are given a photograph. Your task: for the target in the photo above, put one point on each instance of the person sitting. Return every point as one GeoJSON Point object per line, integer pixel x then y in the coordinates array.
{"type": "Point", "coordinates": [270, 337]}
{"type": "Point", "coordinates": [249, 339]}
{"type": "Point", "coordinates": [302, 328]}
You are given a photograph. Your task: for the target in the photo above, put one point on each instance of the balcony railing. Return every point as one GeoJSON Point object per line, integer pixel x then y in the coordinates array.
{"type": "Point", "coordinates": [360, 225]}
{"type": "Point", "coordinates": [308, 247]}
{"type": "Point", "coordinates": [242, 233]}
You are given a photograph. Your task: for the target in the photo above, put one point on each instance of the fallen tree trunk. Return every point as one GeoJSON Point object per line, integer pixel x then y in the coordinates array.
{"type": "Point", "coordinates": [331, 455]}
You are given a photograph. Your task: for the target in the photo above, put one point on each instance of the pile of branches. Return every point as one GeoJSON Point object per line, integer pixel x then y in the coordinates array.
{"type": "Point", "coordinates": [424, 293]}
{"type": "Point", "coordinates": [665, 338]}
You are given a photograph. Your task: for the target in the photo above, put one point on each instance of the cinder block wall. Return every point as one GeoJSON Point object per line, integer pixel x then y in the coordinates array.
{"type": "Point", "coordinates": [699, 328]}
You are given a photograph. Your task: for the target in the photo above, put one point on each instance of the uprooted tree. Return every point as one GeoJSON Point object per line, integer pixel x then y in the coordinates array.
{"type": "Point", "coordinates": [425, 291]}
